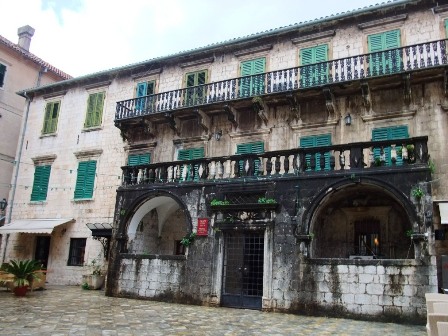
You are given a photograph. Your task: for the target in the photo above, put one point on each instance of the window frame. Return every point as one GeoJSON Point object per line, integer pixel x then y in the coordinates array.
{"type": "Point", "coordinates": [76, 252]}
{"type": "Point", "coordinates": [85, 180]}
{"type": "Point", "coordinates": [50, 124]}
{"type": "Point", "coordinates": [313, 69]}
{"type": "Point", "coordinates": [3, 71]}
{"type": "Point", "coordinates": [255, 84]}
{"type": "Point", "coordinates": [135, 159]}
{"type": "Point", "coordinates": [195, 93]}
{"type": "Point", "coordinates": [253, 147]}
{"type": "Point", "coordinates": [384, 55]}
{"type": "Point", "coordinates": [324, 140]}
{"type": "Point", "coordinates": [95, 110]}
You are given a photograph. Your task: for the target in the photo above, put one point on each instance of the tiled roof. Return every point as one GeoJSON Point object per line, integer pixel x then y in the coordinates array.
{"type": "Point", "coordinates": [33, 58]}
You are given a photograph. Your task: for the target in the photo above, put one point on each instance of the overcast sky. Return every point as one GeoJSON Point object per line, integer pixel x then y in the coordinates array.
{"type": "Point", "coordinates": [86, 36]}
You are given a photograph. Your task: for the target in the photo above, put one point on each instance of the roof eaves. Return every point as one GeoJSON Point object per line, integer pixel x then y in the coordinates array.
{"type": "Point", "coordinates": [226, 43]}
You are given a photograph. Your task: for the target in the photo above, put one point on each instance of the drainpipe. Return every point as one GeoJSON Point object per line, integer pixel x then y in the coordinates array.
{"type": "Point", "coordinates": [22, 139]}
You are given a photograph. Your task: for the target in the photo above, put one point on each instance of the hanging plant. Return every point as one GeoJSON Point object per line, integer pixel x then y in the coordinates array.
{"type": "Point", "coordinates": [188, 239]}
{"type": "Point", "coordinates": [418, 192]}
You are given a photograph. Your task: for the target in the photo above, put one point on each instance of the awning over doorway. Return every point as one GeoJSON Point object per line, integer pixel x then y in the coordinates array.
{"type": "Point", "coordinates": [443, 207]}
{"type": "Point", "coordinates": [100, 229]}
{"type": "Point", "coordinates": [34, 225]}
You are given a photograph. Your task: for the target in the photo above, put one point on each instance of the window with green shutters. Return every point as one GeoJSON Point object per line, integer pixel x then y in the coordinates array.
{"type": "Point", "coordinates": [144, 89]}
{"type": "Point", "coordinates": [51, 117]}
{"type": "Point", "coordinates": [384, 59]}
{"type": "Point", "coordinates": [249, 148]}
{"type": "Point", "coordinates": [254, 85]}
{"type": "Point", "coordinates": [194, 93]}
{"type": "Point", "coordinates": [316, 141]}
{"type": "Point", "coordinates": [2, 74]}
{"type": "Point", "coordinates": [312, 71]}
{"type": "Point", "coordinates": [190, 154]}
{"type": "Point", "coordinates": [446, 29]}
{"type": "Point", "coordinates": [389, 133]}
{"type": "Point", "coordinates": [40, 183]}
{"type": "Point", "coordinates": [95, 105]}
{"type": "Point", "coordinates": [139, 159]}
{"type": "Point", "coordinates": [85, 179]}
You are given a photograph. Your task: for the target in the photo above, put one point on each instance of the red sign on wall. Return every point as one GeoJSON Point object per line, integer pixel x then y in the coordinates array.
{"type": "Point", "coordinates": [202, 227]}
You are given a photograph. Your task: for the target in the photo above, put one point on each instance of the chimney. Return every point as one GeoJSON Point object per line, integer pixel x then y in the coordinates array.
{"type": "Point", "coordinates": [25, 34]}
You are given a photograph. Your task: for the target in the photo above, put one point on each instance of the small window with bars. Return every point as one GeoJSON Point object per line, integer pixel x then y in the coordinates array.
{"type": "Point", "coordinates": [76, 252]}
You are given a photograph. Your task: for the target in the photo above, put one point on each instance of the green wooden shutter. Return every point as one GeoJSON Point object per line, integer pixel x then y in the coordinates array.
{"type": "Point", "coordinates": [384, 62]}
{"type": "Point", "coordinates": [192, 80]}
{"type": "Point", "coordinates": [2, 74]}
{"type": "Point", "coordinates": [85, 179]}
{"type": "Point", "coordinates": [446, 31]}
{"type": "Point", "coordinates": [316, 141]}
{"type": "Point", "coordinates": [95, 105]}
{"type": "Point", "coordinates": [190, 154]}
{"type": "Point", "coordinates": [389, 133]}
{"type": "Point", "coordinates": [252, 86]}
{"type": "Point", "coordinates": [248, 148]}
{"type": "Point", "coordinates": [139, 159]}
{"type": "Point", "coordinates": [141, 92]}
{"type": "Point", "coordinates": [317, 74]}
{"type": "Point", "coordinates": [51, 117]}
{"type": "Point", "coordinates": [40, 183]}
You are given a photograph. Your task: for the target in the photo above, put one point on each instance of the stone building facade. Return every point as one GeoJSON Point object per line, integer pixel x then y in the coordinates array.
{"type": "Point", "coordinates": [297, 170]}
{"type": "Point", "coordinates": [19, 69]}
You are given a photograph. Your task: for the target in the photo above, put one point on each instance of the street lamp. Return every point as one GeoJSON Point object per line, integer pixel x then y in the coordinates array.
{"type": "Point", "coordinates": [3, 204]}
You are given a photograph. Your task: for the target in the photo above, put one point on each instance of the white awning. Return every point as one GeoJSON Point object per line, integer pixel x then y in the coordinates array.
{"type": "Point", "coordinates": [34, 225]}
{"type": "Point", "coordinates": [443, 207]}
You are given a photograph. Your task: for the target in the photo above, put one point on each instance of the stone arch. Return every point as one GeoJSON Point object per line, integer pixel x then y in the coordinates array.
{"type": "Point", "coordinates": [341, 217]}
{"type": "Point", "coordinates": [151, 215]}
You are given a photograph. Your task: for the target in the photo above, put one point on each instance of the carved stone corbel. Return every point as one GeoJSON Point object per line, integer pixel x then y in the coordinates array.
{"type": "Point", "coordinates": [173, 123]}
{"type": "Point", "coordinates": [260, 108]}
{"type": "Point", "coordinates": [203, 120]}
{"type": "Point", "coordinates": [148, 128]}
{"type": "Point", "coordinates": [294, 108]}
{"type": "Point", "coordinates": [329, 103]}
{"type": "Point", "coordinates": [365, 92]}
{"type": "Point", "coordinates": [407, 88]}
{"type": "Point", "coordinates": [231, 114]}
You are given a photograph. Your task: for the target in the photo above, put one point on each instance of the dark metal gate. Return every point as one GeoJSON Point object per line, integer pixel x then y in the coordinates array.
{"type": "Point", "coordinates": [243, 269]}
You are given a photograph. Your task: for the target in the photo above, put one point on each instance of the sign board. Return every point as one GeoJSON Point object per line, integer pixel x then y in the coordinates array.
{"type": "Point", "coordinates": [202, 227]}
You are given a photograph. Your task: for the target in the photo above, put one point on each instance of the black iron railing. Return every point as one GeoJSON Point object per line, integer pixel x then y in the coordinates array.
{"type": "Point", "coordinates": [387, 154]}
{"type": "Point", "coordinates": [400, 60]}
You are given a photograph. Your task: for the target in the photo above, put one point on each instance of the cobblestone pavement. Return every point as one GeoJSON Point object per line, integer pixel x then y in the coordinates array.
{"type": "Point", "coordinates": [61, 310]}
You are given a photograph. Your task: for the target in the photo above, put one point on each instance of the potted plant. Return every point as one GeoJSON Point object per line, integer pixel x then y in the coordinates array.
{"type": "Point", "coordinates": [24, 272]}
{"type": "Point", "coordinates": [94, 280]}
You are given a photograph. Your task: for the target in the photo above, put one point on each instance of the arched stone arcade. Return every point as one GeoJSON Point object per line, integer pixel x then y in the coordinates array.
{"type": "Point", "coordinates": [157, 225]}
{"type": "Point", "coordinates": [361, 220]}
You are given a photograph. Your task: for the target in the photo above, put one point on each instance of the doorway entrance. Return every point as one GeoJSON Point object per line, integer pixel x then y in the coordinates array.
{"type": "Point", "coordinates": [42, 249]}
{"type": "Point", "coordinates": [243, 269]}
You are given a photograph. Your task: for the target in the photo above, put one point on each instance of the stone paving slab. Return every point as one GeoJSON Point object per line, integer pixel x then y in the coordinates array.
{"type": "Point", "coordinates": [61, 310]}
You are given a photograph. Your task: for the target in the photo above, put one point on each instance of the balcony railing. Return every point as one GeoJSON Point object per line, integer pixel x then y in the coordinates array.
{"type": "Point", "coordinates": [387, 154]}
{"type": "Point", "coordinates": [410, 58]}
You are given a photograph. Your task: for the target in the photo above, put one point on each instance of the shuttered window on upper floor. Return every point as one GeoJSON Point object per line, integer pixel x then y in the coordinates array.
{"type": "Point", "coordinates": [389, 133]}
{"type": "Point", "coordinates": [190, 154]}
{"type": "Point", "coordinates": [385, 58]}
{"type": "Point", "coordinates": [85, 179]}
{"type": "Point", "coordinates": [312, 71]}
{"type": "Point", "coordinates": [249, 148]}
{"type": "Point", "coordinates": [195, 92]}
{"type": "Point", "coordinates": [40, 183]}
{"type": "Point", "coordinates": [316, 141]}
{"type": "Point", "coordinates": [2, 74]}
{"type": "Point", "coordinates": [255, 84]}
{"type": "Point", "coordinates": [139, 159]}
{"type": "Point", "coordinates": [95, 106]}
{"type": "Point", "coordinates": [51, 117]}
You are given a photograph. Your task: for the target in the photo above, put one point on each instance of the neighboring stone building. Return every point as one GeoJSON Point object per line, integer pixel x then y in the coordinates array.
{"type": "Point", "coordinates": [19, 69]}
{"type": "Point", "coordinates": [308, 160]}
